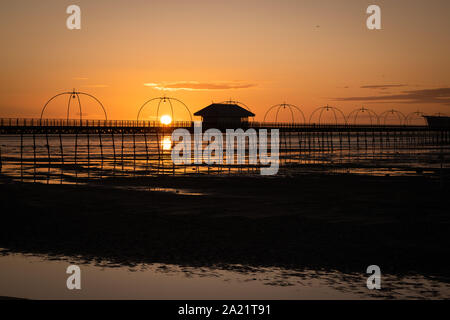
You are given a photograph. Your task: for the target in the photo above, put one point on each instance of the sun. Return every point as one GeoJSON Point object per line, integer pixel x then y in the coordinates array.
{"type": "Point", "coordinates": [166, 119]}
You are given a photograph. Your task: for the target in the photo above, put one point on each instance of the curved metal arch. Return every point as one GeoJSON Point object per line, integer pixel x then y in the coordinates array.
{"type": "Point", "coordinates": [51, 99]}
{"type": "Point", "coordinates": [328, 108]}
{"type": "Point", "coordinates": [410, 115]}
{"type": "Point", "coordinates": [79, 106]}
{"type": "Point", "coordinates": [145, 103]}
{"type": "Point", "coordinates": [157, 109]}
{"type": "Point", "coordinates": [321, 113]}
{"type": "Point", "coordinates": [355, 113]}
{"type": "Point", "coordinates": [161, 99]}
{"type": "Point", "coordinates": [393, 111]}
{"type": "Point", "coordinates": [185, 106]}
{"type": "Point", "coordinates": [278, 111]}
{"type": "Point", "coordinates": [101, 105]}
{"type": "Point", "coordinates": [72, 96]}
{"type": "Point", "coordinates": [171, 109]}
{"type": "Point", "coordinates": [77, 93]}
{"type": "Point", "coordinates": [238, 103]}
{"type": "Point", "coordinates": [290, 106]}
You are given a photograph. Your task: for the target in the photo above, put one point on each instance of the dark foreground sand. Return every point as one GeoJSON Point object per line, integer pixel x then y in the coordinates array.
{"type": "Point", "coordinates": [337, 222]}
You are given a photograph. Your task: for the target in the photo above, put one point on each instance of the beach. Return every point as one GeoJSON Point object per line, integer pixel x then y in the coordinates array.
{"type": "Point", "coordinates": [314, 221]}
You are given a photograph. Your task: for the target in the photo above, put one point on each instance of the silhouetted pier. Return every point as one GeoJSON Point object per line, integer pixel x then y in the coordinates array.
{"type": "Point", "coordinates": [56, 126]}
{"type": "Point", "coordinates": [70, 150]}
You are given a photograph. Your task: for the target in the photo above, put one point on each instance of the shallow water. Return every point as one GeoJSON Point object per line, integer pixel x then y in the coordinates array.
{"type": "Point", "coordinates": [43, 277]}
{"type": "Point", "coordinates": [77, 158]}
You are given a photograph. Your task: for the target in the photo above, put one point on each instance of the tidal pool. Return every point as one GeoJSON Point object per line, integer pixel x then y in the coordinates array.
{"type": "Point", "coordinates": [43, 277]}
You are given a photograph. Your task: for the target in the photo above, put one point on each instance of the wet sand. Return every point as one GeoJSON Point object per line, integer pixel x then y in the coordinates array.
{"type": "Point", "coordinates": [339, 222]}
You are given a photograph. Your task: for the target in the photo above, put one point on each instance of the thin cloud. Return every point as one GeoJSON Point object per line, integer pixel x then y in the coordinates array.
{"type": "Point", "coordinates": [199, 86]}
{"type": "Point", "coordinates": [439, 95]}
{"type": "Point", "coordinates": [383, 86]}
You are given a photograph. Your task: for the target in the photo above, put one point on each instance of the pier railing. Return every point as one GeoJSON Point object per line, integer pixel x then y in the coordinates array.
{"type": "Point", "coordinates": [33, 122]}
{"type": "Point", "coordinates": [30, 122]}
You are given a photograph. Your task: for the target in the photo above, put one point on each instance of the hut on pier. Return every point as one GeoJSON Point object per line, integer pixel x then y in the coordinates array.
{"type": "Point", "coordinates": [224, 115]}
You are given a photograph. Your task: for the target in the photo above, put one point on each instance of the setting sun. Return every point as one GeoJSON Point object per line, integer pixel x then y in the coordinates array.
{"type": "Point", "coordinates": [166, 119]}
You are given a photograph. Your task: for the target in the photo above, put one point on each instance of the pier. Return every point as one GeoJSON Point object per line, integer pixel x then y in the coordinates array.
{"type": "Point", "coordinates": [72, 126]}
{"type": "Point", "coordinates": [82, 150]}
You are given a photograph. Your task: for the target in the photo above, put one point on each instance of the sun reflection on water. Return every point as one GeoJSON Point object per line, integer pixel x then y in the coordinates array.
{"type": "Point", "coordinates": [166, 143]}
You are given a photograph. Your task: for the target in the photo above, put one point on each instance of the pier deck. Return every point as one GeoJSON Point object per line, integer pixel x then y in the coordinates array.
{"type": "Point", "coordinates": [58, 126]}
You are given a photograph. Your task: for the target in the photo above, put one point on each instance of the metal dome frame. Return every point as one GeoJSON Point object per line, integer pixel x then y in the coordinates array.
{"type": "Point", "coordinates": [72, 95]}
{"type": "Point", "coordinates": [236, 102]}
{"type": "Point", "coordinates": [284, 106]}
{"type": "Point", "coordinates": [328, 108]}
{"type": "Point", "coordinates": [355, 113]}
{"type": "Point", "coordinates": [409, 116]}
{"type": "Point", "coordinates": [392, 111]}
{"type": "Point", "coordinates": [164, 99]}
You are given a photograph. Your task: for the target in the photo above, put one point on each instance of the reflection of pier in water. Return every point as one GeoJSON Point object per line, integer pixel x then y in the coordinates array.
{"type": "Point", "coordinates": [74, 150]}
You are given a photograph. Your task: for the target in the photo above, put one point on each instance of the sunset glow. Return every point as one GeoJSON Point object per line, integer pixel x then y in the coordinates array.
{"type": "Point", "coordinates": [166, 143]}
{"type": "Point", "coordinates": [307, 53]}
{"type": "Point", "coordinates": [201, 154]}
{"type": "Point", "coordinates": [166, 119]}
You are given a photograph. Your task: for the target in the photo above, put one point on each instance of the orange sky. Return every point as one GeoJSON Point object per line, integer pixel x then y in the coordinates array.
{"type": "Point", "coordinates": [305, 52]}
